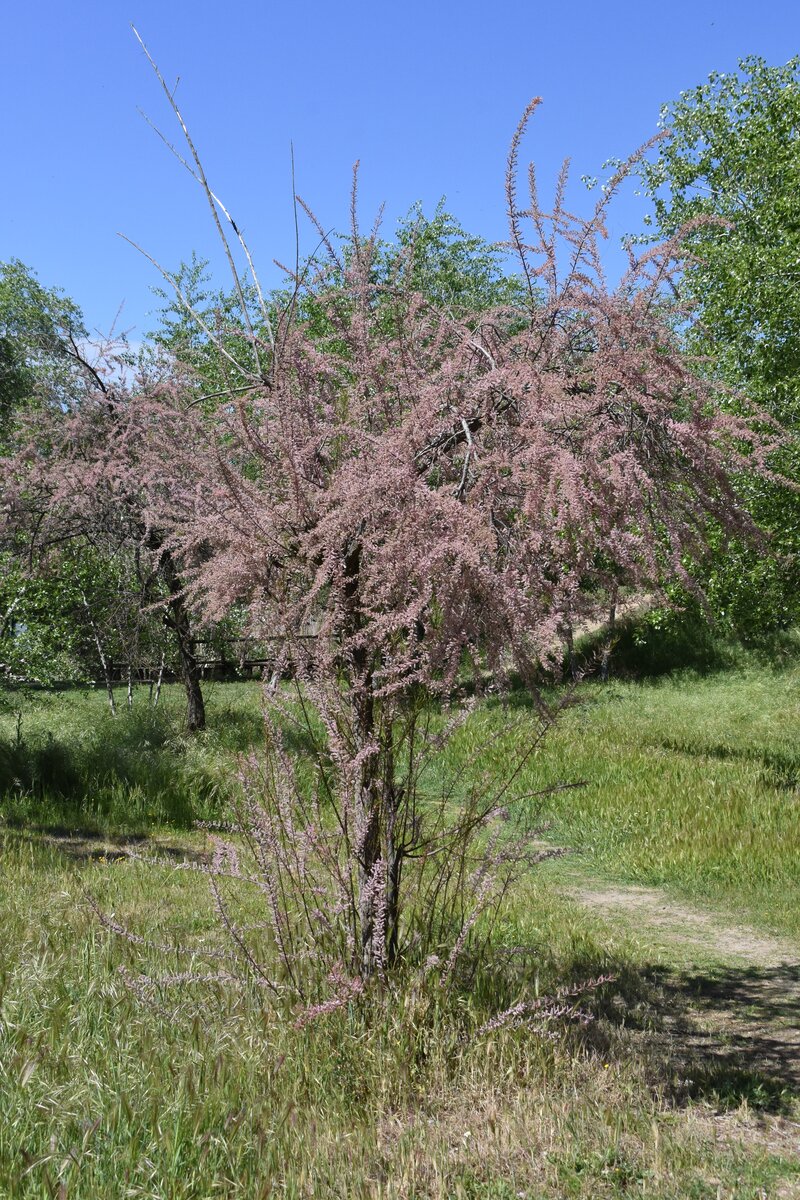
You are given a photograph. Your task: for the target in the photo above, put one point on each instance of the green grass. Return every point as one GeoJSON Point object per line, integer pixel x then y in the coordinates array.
{"type": "Point", "coordinates": [211, 1095]}
{"type": "Point", "coordinates": [691, 782]}
{"type": "Point", "coordinates": [66, 762]}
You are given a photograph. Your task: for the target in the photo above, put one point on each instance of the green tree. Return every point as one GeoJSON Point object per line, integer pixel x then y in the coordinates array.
{"type": "Point", "coordinates": [730, 174]}
{"type": "Point", "coordinates": [196, 317]}
{"type": "Point", "coordinates": [454, 270]}
{"type": "Point", "coordinates": [75, 614]}
{"type": "Point", "coordinates": [41, 334]}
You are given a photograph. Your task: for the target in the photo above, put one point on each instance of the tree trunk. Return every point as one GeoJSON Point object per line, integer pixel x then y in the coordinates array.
{"type": "Point", "coordinates": [179, 622]}
{"type": "Point", "coordinates": [375, 894]}
{"type": "Point", "coordinates": [157, 697]}
{"type": "Point", "coordinates": [379, 867]}
{"type": "Point", "coordinates": [394, 862]}
{"type": "Point", "coordinates": [369, 880]}
{"type": "Point", "coordinates": [605, 665]}
{"type": "Point", "coordinates": [190, 673]}
{"type": "Point", "coordinates": [569, 638]}
{"type": "Point", "coordinates": [104, 663]}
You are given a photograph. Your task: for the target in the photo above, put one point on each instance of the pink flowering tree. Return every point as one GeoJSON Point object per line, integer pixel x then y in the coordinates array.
{"type": "Point", "coordinates": [396, 493]}
{"type": "Point", "coordinates": [76, 488]}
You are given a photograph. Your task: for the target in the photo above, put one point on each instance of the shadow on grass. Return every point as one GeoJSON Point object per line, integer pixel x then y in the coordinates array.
{"type": "Point", "coordinates": [753, 1050]}
{"type": "Point", "coordinates": [87, 845]}
{"type": "Point", "coordinates": [779, 768]}
{"type": "Point", "coordinates": [237, 730]}
{"type": "Point", "coordinates": [726, 1039]}
{"type": "Point", "coordinates": [129, 773]}
{"type": "Point", "coordinates": [643, 648]}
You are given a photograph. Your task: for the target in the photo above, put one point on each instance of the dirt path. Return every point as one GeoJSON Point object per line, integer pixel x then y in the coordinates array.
{"type": "Point", "coordinates": [721, 1020]}
{"type": "Point", "coordinates": [685, 928]}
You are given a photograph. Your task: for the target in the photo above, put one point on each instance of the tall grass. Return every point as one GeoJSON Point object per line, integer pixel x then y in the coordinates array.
{"type": "Point", "coordinates": [65, 761]}
{"type": "Point", "coordinates": [690, 781]}
{"type": "Point", "coordinates": [207, 1095]}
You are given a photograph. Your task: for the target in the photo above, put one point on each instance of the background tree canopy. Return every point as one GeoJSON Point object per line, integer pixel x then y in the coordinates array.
{"type": "Point", "coordinates": [40, 333]}
{"type": "Point", "coordinates": [459, 272]}
{"type": "Point", "coordinates": [732, 167]}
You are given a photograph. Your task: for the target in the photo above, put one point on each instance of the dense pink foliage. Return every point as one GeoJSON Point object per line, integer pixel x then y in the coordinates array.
{"type": "Point", "coordinates": [409, 485]}
{"type": "Point", "coordinates": [393, 488]}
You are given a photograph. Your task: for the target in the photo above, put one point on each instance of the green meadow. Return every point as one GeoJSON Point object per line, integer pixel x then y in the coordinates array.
{"type": "Point", "coordinates": [689, 784]}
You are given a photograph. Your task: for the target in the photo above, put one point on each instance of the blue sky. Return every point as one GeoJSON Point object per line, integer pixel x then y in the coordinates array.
{"type": "Point", "coordinates": [426, 95]}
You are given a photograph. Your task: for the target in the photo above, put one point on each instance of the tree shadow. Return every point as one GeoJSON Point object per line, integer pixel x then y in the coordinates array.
{"type": "Point", "coordinates": [726, 1038]}
{"type": "Point", "coordinates": [133, 772]}
{"type": "Point", "coordinates": [238, 730]}
{"type": "Point", "coordinates": [646, 649]}
{"type": "Point", "coordinates": [87, 845]}
{"type": "Point", "coordinates": [744, 1042]}
{"type": "Point", "coordinates": [779, 768]}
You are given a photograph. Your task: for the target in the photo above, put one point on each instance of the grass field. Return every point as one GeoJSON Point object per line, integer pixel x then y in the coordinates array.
{"type": "Point", "coordinates": [691, 783]}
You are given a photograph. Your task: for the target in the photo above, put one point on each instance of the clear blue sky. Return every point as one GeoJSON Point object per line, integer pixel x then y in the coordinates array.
{"type": "Point", "coordinates": [425, 94]}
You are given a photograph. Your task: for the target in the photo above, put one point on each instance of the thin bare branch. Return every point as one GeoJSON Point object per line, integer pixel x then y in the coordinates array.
{"type": "Point", "coordinates": [213, 202]}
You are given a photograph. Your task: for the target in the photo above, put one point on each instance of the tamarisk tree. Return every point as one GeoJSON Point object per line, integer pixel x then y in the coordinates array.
{"type": "Point", "coordinates": [75, 489]}
{"type": "Point", "coordinates": [411, 489]}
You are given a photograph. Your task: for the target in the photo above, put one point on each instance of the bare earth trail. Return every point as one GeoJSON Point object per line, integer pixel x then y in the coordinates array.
{"type": "Point", "coordinates": [722, 1021]}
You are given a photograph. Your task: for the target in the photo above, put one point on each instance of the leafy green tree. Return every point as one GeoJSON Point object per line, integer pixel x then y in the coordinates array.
{"type": "Point", "coordinates": [436, 257]}
{"type": "Point", "coordinates": [457, 273]}
{"type": "Point", "coordinates": [41, 334]}
{"type": "Point", "coordinates": [730, 175]}
{"type": "Point", "coordinates": [455, 270]}
{"type": "Point", "coordinates": [195, 318]}
{"type": "Point", "coordinates": [734, 156]}
{"type": "Point", "coordinates": [74, 616]}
